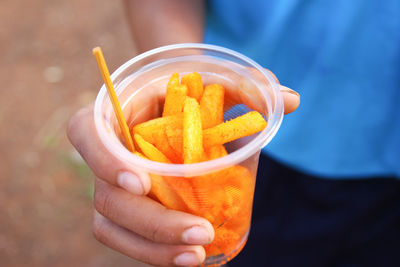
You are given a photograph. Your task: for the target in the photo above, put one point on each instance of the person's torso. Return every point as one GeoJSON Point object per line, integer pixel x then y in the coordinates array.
{"type": "Point", "coordinates": [343, 57]}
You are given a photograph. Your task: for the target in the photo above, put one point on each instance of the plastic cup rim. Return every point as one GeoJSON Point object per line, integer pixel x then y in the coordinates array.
{"type": "Point", "coordinates": [195, 169]}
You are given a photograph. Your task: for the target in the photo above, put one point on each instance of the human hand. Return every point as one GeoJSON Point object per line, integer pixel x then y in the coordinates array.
{"type": "Point", "coordinates": [125, 218]}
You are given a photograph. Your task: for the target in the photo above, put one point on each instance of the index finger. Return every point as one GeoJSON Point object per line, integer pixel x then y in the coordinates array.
{"type": "Point", "coordinates": [291, 99]}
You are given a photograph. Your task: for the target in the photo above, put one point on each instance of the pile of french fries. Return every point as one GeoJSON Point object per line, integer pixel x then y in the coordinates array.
{"type": "Point", "coordinates": [192, 130]}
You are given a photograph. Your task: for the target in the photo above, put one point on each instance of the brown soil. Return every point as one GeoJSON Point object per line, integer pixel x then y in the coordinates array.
{"type": "Point", "coordinates": [48, 72]}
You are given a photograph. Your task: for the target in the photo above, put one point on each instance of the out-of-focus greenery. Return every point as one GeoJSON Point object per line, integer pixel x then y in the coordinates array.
{"type": "Point", "coordinates": [81, 169]}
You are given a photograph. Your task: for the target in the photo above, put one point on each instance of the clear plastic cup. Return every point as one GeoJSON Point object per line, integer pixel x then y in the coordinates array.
{"type": "Point", "coordinates": [219, 190]}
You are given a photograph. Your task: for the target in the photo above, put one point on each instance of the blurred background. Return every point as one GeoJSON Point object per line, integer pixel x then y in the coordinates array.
{"type": "Point", "coordinates": [47, 73]}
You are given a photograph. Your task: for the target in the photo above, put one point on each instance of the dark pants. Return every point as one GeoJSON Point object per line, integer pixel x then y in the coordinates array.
{"type": "Point", "coordinates": [303, 220]}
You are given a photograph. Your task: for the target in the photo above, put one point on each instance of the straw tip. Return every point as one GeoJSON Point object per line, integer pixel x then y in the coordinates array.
{"type": "Point", "coordinates": [96, 50]}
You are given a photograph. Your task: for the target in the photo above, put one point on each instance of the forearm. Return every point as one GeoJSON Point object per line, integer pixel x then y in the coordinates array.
{"type": "Point", "coordinates": [160, 22]}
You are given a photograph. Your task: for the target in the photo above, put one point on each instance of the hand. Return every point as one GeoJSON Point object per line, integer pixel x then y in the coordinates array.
{"type": "Point", "coordinates": [291, 99]}
{"type": "Point", "coordinates": [128, 221]}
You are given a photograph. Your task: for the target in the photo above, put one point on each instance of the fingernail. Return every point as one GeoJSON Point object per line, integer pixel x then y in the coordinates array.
{"type": "Point", "coordinates": [288, 90]}
{"type": "Point", "coordinates": [187, 259]}
{"type": "Point", "coordinates": [130, 182]}
{"type": "Point", "coordinates": [196, 235]}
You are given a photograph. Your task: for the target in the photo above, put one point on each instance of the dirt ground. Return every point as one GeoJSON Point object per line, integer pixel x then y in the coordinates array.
{"type": "Point", "coordinates": [48, 72]}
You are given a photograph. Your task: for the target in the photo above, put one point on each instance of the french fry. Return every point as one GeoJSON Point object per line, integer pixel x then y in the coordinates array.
{"type": "Point", "coordinates": [212, 199]}
{"type": "Point", "coordinates": [149, 150]}
{"type": "Point", "coordinates": [184, 191]}
{"type": "Point", "coordinates": [215, 152]}
{"type": "Point", "coordinates": [239, 127]}
{"type": "Point", "coordinates": [147, 129]}
{"type": "Point", "coordinates": [167, 195]}
{"type": "Point", "coordinates": [192, 132]}
{"type": "Point", "coordinates": [236, 206]}
{"type": "Point", "coordinates": [162, 192]}
{"type": "Point", "coordinates": [162, 144]}
{"type": "Point", "coordinates": [174, 137]}
{"type": "Point", "coordinates": [229, 213]}
{"type": "Point", "coordinates": [194, 85]}
{"type": "Point", "coordinates": [236, 128]}
{"type": "Point", "coordinates": [175, 97]}
{"type": "Point", "coordinates": [215, 207]}
{"type": "Point", "coordinates": [212, 105]}
{"type": "Point", "coordinates": [239, 190]}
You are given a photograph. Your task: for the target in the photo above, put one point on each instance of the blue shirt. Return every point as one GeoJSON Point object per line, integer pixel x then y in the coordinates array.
{"type": "Point", "coordinates": [343, 57]}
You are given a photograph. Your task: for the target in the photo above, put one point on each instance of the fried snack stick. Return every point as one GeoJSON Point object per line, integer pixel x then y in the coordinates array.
{"type": "Point", "coordinates": [240, 193]}
{"type": "Point", "coordinates": [148, 128]}
{"type": "Point", "coordinates": [162, 144]}
{"type": "Point", "coordinates": [212, 105]}
{"type": "Point", "coordinates": [192, 152]}
{"type": "Point", "coordinates": [234, 209]}
{"type": "Point", "coordinates": [162, 192]}
{"type": "Point", "coordinates": [192, 132]}
{"type": "Point", "coordinates": [212, 198]}
{"type": "Point", "coordinates": [194, 85]}
{"type": "Point", "coordinates": [236, 128]}
{"type": "Point", "coordinates": [175, 97]}
{"type": "Point", "coordinates": [215, 152]}
{"type": "Point", "coordinates": [190, 142]}
{"type": "Point", "coordinates": [227, 190]}
{"type": "Point", "coordinates": [184, 191]}
{"type": "Point", "coordinates": [149, 150]}
{"type": "Point", "coordinates": [174, 137]}
{"type": "Point", "coordinates": [239, 127]}
{"type": "Point", "coordinates": [211, 110]}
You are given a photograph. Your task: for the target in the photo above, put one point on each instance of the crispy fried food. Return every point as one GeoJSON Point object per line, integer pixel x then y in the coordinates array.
{"type": "Point", "coordinates": [194, 84]}
{"type": "Point", "coordinates": [212, 105]}
{"type": "Point", "coordinates": [192, 132]}
{"type": "Point", "coordinates": [215, 152]}
{"type": "Point", "coordinates": [149, 150]}
{"type": "Point", "coordinates": [148, 128]}
{"type": "Point", "coordinates": [162, 144]}
{"type": "Point", "coordinates": [175, 97]}
{"type": "Point", "coordinates": [174, 136]}
{"type": "Point", "coordinates": [236, 128]}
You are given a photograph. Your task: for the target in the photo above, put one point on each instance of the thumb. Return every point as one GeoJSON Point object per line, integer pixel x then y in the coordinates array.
{"type": "Point", "coordinates": [83, 136]}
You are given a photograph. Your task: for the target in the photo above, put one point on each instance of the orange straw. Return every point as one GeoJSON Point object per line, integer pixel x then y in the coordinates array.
{"type": "Point", "coordinates": [113, 97]}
